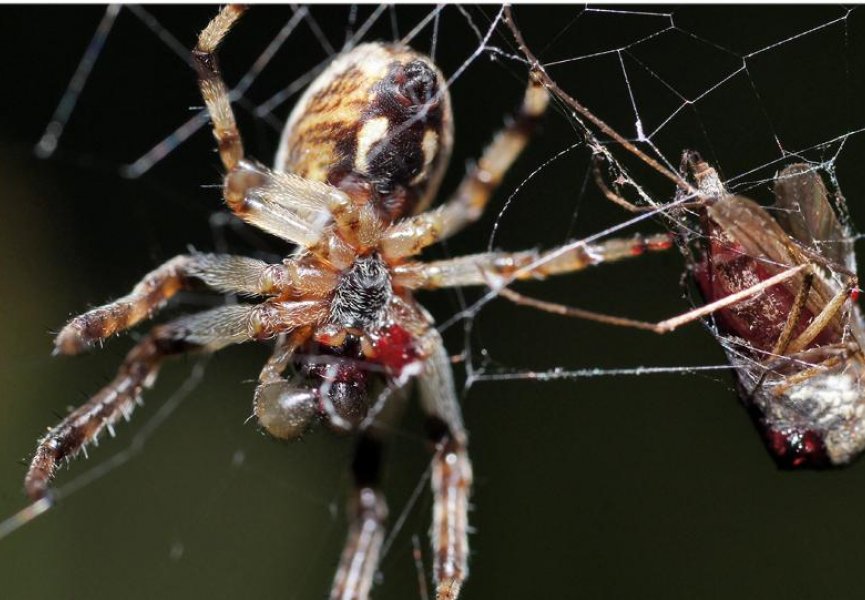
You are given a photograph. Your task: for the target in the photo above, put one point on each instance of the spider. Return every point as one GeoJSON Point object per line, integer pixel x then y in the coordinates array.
{"type": "Point", "coordinates": [782, 291]}
{"type": "Point", "coordinates": [360, 160]}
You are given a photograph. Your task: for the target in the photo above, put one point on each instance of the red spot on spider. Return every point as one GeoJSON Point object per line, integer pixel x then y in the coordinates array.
{"type": "Point", "coordinates": [854, 294]}
{"type": "Point", "coordinates": [395, 349]}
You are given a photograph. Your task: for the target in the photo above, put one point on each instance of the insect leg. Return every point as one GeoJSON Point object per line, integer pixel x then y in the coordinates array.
{"type": "Point", "coordinates": [818, 369]}
{"type": "Point", "coordinates": [451, 471]}
{"type": "Point", "coordinates": [823, 318]}
{"type": "Point", "coordinates": [665, 326]}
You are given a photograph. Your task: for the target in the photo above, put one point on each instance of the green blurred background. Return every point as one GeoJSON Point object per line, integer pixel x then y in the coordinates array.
{"type": "Point", "coordinates": [611, 486]}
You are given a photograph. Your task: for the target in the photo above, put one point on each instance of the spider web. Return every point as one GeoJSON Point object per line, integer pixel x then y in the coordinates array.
{"type": "Point", "coordinates": [223, 511]}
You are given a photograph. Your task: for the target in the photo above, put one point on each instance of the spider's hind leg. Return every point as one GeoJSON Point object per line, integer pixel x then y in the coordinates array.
{"type": "Point", "coordinates": [367, 512]}
{"type": "Point", "coordinates": [367, 507]}
{"type": "Point", "coordinates": [451, 470]}
{"type": "Point", "coordinates": [285, 408]}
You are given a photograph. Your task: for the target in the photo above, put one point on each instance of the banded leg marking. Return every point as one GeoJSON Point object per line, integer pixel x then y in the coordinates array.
{"type": "Point", "coordinates": [233, 274]}
{"type": "Point", "coordinates": [412, 235]}
{"type": "Point", "coordinates": [451, 471]}
{"type": "Point", "coordinates": [481, 269]}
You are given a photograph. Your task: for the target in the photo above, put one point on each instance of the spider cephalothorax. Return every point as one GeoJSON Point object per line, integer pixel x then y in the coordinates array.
{"type": "Point", "coordinates": [361, 158]}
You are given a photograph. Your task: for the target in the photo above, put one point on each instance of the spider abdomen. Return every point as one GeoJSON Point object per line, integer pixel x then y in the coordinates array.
{"type": "Point", "coordinates": [377, 124]}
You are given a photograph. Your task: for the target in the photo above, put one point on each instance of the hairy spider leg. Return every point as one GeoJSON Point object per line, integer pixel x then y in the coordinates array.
{"type": "Point", "coordinates": [451, 479]}
{"type": "Point", "coordinates": [213, 87]}
{"type": "Point", "coordinates": [367, 513]}
{"type": "Point", "coordinates": [282, 204]}
{"type": "Point", "coordinates": [471, 197]}
{"type": "Point", "coordinates": [488, 267]}
{"type": "Point", "coordinates": [225, 273]}
{"type": "Point", "coordinates": [207, 331]}
{"type": "Point", "coordinates": [821, 221]}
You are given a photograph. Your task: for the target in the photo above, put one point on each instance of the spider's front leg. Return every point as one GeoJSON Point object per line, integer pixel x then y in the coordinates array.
{"type": "Point", "coordinates": [205, 332]}
{"type": "Point", "coordinates": [485, 268]}
{"type": "Point", "coordinates": [225, 273]}
{"type": "Point", "coordinates": [282, 204]}
{"type": "Point", "coordinates": [451, 479]}
{"type": "Point", "coordinates": [474, 192]}
{"type": "Point", "coordinates": [213, 88]}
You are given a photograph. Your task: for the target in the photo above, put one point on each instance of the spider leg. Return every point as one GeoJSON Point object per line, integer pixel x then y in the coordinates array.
{"type": "Point", "coordinates": [479, 269]}
{"type": "Point", "coordinates": [451, 471]}
{"type": "Point", "coordinates": [367, 508]}
{"type": "Point", "coordinates": [233, 274]}
{"type": "Point", "coordinates": [367, 512]}
{"type": "Point", "coordinates": [482, 269]}
{"type": "Point", "coordinates": [213, 88]}
{"type": "Point", "coordinates": [411, 235]}
{"type": "Point", "coordinates": [284, 205]}
{"type": "Point", "coordinates": [285, 409]}
{"type": "Point", "coordinates": [664, 326]}
{"type": "Point", "coordinates": [207, 331]}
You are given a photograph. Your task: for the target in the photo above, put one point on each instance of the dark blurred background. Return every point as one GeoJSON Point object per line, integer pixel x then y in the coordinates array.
{"type": "Point", "coordinates": [608, 486]}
